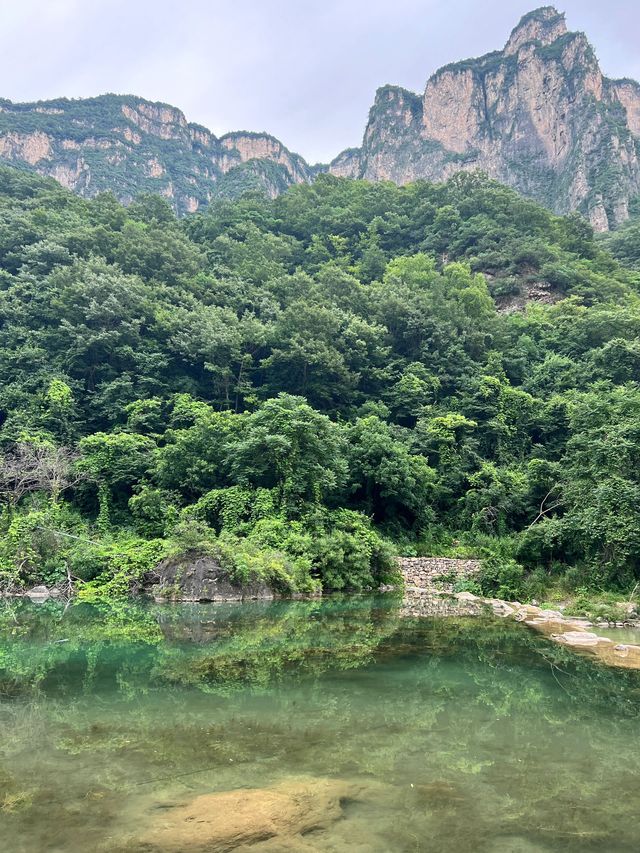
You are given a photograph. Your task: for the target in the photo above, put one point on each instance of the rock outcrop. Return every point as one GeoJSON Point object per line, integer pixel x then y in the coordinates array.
{"type": "Point", "coordinates": [195, 576]}
{"type": "Point", "coordinates": [538, 115]}
{"type": "Point", "coordinates": [127, 145]}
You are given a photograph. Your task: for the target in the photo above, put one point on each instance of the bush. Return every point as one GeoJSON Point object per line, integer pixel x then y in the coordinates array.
{"type": "Point", "coordinates": [535, 585]}
{"type": "Point", "coordinates": [153, 511]}
{"type": "Point", "coordinates": [350, 554]}
{"type": "Point", "coordinates": [126, 560]}
{"type": "Point", "coordinates": [501, 578]}
{"type": "Point", "coordinates": [467, 585]}
{"type": "Point", "coordinates": [35, 546]}
{"type": "Point", "coordinates": [247, 562]}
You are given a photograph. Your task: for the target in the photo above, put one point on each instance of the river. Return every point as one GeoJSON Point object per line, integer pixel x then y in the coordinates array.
{"type": "Point", "coordinates": [453, 734]}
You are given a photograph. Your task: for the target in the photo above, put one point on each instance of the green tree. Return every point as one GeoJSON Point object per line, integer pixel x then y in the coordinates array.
{"type": "Point", "coordinates": [289, 446]}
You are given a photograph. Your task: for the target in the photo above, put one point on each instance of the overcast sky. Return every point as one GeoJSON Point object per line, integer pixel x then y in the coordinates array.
{"type": "Point", "coordinates": [303, 70]}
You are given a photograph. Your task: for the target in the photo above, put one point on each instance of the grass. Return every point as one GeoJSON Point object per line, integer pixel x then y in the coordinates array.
{"type": "Point", "coordinates": [592, 604]}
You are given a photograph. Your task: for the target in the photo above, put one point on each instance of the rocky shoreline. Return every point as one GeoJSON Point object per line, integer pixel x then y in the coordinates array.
{"type": "Point", "coordinates": [428, 591]}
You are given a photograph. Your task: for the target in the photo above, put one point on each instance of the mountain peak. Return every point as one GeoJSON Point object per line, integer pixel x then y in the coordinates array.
{"type": "Point", "coordinates": [543, 25]}
{"type": "Point", "coordinates": [538, 116]}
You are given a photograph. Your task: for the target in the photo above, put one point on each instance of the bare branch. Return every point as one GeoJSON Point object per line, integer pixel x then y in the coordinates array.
{"type": "Point", "coordinates": [545, 510]}
{"type": "Point", "coordinates": [38, 468]}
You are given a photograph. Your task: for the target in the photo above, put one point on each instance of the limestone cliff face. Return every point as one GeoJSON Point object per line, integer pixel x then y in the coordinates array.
{"type": "Point", "coordinates": [627, 92]}
{"type": "Point", "coordinates": [128, 146]}
{"type": "Point", "coordinates": [241, 147]}
{"type": "Point", "coordinates": [538, 116]}
{"type": "Point", "coordinates": [30, 147]}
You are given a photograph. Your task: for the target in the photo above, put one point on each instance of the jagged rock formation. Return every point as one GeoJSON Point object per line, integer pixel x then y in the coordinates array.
{"type": "Point", "coordinates": [129, 145]}
{"type": "Point", "coordinates": [538, 116]}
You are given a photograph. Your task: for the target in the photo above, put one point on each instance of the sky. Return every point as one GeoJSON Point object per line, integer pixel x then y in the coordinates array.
{"type": "Point", "coordinates": [304, 71]}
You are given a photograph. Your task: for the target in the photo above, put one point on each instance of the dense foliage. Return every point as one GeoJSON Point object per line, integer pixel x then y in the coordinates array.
{"type": "Point", "coordinates": [310, 383]}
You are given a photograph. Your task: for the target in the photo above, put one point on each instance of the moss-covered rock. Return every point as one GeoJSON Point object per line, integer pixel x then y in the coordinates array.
{"type": "Point", "coordinates": [198, 576]}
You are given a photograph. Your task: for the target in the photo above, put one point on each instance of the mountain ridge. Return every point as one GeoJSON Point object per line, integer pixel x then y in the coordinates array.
{"type": "Point", "coordinates": [538, 115]}
{"type": "Point", "coordinates": [129, 145]}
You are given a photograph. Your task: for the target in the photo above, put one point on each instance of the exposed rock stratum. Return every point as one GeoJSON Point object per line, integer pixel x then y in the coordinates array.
{"type": "Point", "coordinates": [538, 115]}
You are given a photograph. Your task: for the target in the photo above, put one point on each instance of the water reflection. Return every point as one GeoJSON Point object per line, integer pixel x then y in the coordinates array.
{"type": "Point", "coordinates": [460, 734]}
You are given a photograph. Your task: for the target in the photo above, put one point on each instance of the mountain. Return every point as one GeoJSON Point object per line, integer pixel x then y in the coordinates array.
{"type": "Point", "coordinates": [538, 115]}
{"type": "Point", "coordinates": [128, 145]}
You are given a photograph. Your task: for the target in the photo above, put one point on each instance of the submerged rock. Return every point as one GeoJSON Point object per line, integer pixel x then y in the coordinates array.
{"type": "Point", "coordinates": [579, 638]}
{"type": "Point", "coordinates": [231, 820]}
{"type": "Point", "coordinates": [572, 633]}
{"type": "Point", "coordinates": [194, 576]}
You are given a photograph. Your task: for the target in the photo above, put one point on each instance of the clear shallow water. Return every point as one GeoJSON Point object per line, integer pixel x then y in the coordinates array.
{"type": "Point", "coordinates": [462, 735]}
{"type": "Point", "coordinates": [620, 635]}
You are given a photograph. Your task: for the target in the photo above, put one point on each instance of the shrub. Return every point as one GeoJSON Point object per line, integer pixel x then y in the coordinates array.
{"type": "Point", "coordinates": [501, 578]}
{"type": "Point", "coordinates": [467, 585]}
{"type": "Point", "coordinates": [247, 562]}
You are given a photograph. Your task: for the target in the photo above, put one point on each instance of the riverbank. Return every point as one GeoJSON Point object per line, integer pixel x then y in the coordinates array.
{"type": "Point", "coordinates": [430, 587]}
{"type": "Point", "coordinates": [429, 590]}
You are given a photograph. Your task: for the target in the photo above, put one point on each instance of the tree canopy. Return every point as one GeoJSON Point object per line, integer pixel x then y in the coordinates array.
{"type": "Point", "coordinates": [345, 364]}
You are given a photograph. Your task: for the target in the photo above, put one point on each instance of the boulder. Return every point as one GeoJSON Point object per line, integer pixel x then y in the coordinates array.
{"type": "Point", "coordinates": [580, 638]}
{"type": "Point", "coordinates": [501, 608]}
{"type": "Point", "coordinates": [526, 612]}
{"type": "Point", "coordinates": [38, 593]}
{"type": "Point", "coordinates": [195, 576]}
{"type": "Point", "coordinates": [552, 615]}
{"type": "Point", "coordinates": [250, 816]}
{"type": "Point", "coordinates": [466, 596]}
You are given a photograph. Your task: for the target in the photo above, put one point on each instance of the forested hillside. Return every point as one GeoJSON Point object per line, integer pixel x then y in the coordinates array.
{"type": "Point", "coordinates": [309, 384]}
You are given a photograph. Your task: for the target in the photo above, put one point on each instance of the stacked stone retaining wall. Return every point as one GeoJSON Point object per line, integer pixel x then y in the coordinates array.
{"type": "Point", "coordinates": [426, 572]}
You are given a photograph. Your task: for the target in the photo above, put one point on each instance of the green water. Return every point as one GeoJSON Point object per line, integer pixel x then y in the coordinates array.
{"type": "Point", "coordinates": [620, 635]}
{"type": "Point", "coordinates": [463, 734]}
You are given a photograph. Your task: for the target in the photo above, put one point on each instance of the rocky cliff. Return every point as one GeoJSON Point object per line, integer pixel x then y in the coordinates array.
{"type": "Point", "coordinates": [538, 115]}
{"type": "Point", "coordinates": [128, 145]}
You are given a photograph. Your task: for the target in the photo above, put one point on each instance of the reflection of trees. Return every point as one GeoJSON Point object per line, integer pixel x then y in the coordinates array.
{"type": "Point", "coordinates": [499, 731]}
{"type": "Point", "coordinates": [127, 645]}
{"type": "Point", "coordinates": [258, 645]}
{"type": "Point", "coordinates": [132, 647]}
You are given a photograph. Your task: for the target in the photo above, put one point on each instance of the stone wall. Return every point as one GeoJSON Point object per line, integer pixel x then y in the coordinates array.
{"type": "Point", "coordinates": [424, 572]}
